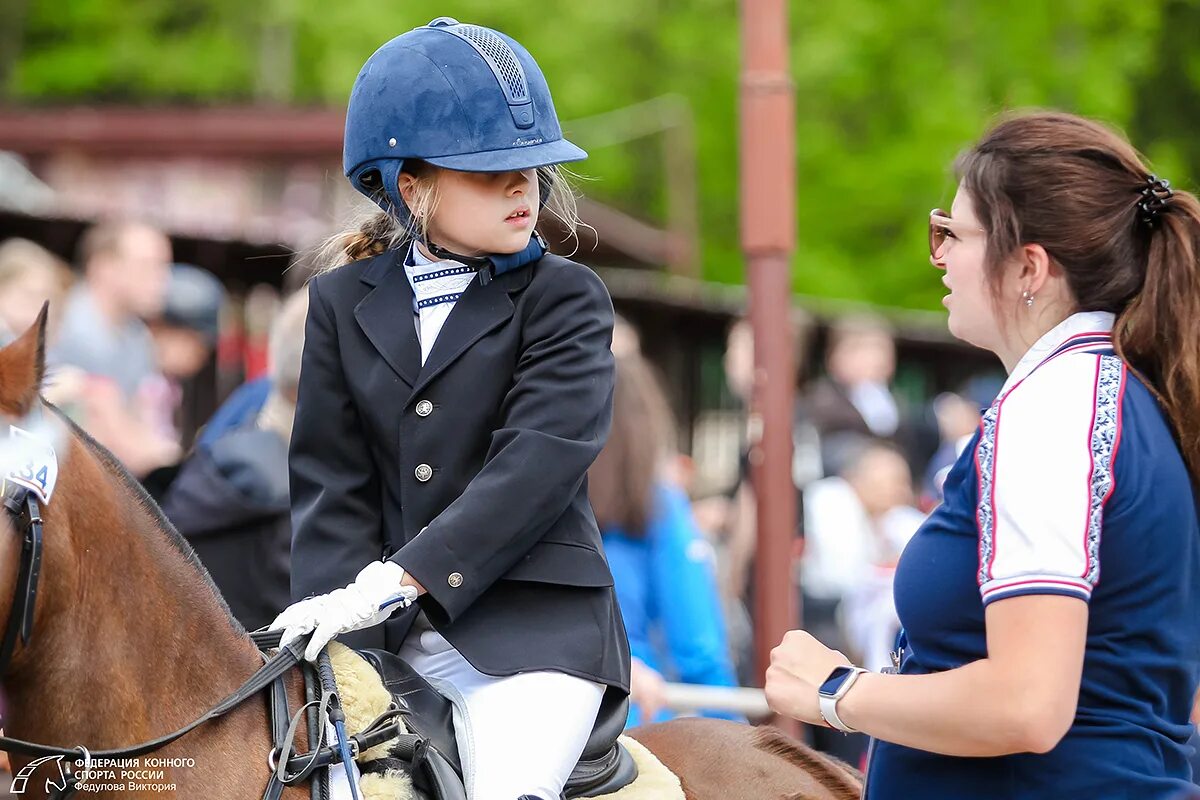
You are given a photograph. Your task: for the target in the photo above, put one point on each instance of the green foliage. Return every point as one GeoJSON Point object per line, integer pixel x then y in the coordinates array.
{"type": "Point", "coordinates": [133, 50]}
{"type": "Point", "coordinates": [886, 92]}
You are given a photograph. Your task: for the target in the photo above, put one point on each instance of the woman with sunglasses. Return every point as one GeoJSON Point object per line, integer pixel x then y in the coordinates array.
{"type": "Point", "coordinates": [1051, 604]}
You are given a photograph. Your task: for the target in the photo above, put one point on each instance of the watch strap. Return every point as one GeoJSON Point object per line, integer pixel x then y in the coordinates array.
{"type": "Point", "coordinates": [828, 704]}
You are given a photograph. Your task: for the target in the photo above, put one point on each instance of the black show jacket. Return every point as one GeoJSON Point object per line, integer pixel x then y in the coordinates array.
{"type": "Point", "coordinates": [470, 471]}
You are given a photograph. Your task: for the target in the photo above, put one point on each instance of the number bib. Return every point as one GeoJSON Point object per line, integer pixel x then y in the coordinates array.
{"type": "Point", "coordinates": [35, 463]}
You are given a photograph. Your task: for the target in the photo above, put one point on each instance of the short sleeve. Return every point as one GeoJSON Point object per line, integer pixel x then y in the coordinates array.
{"type": "Point", "coordinates": [1045, 469]}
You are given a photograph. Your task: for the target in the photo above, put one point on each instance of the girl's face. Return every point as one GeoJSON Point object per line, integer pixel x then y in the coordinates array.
{"type": "Point", "coordinates": [478, 213]}
{"type": "Point", "coordinates": [958, 245]}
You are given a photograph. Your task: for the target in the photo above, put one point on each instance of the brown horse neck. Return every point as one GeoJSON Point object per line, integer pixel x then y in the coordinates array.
{"type": "Point", "coordinates": [130, 641]}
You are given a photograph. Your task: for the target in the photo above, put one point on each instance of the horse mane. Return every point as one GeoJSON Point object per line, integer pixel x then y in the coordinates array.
{"type": "Point", "coordinates": [838, 777]}
{"type": "Point", "coordinates": [148, 504]}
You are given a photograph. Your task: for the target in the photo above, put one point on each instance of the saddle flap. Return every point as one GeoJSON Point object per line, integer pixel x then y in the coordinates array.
{"type": "Point", "coordinates": [611, 772]}
{"type": "Point", "coordinates": [610, 722]}
{"type": "Point", "coordinates": [429, 714]}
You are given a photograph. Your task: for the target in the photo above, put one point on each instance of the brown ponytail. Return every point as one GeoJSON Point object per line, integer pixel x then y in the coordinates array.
{"type": "Point", "coordinates": [622, 480]}
{"type": "Point", "coordinates": [370, 239]}
{"type": "Point", "coordinates": [372, 233]}
{"type": "Point", "coordinates": [375, 232]}
{"type": "Point", "coordinates": [1074, 186]}
{"type": "Point", "coordinates": [1159, 330]}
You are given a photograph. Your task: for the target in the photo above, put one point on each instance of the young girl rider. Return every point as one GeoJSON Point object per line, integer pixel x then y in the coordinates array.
{"type": "Point", "coordinates": [456, 386]}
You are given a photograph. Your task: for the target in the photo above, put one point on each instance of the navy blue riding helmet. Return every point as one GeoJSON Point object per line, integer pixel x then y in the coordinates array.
{"type": "Point", "coordinates": [457, 96]}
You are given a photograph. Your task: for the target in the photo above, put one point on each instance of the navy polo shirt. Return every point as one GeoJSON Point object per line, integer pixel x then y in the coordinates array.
{"type": "Point", "coordinates": [1074, 486]}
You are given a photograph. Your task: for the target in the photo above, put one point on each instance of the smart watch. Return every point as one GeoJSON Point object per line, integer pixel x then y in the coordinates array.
{"type": "Point", "coordinates": [835, 688]}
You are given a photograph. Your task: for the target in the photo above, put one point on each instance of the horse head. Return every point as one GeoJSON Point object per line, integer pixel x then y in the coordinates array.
{"type": "Point", "coordinates": [116, 633]}
{"type": "Point", "coordinates": [119, 596]}
{"type": "Point", "coordinates": [31, 446]}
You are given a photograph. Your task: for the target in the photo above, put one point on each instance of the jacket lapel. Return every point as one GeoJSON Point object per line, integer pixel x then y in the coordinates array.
{"type": "Point", "coordinates": [480, 310]}
{"type": "Point", "coordinates": [386, 317]}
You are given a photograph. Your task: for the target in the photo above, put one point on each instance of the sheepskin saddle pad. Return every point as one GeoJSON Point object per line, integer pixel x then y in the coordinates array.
{"type": "Point", "coordinates": [369, 681]}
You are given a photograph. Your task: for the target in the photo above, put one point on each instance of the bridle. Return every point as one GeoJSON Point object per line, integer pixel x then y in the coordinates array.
{"type": "Point", "coordinates": [26, 515]}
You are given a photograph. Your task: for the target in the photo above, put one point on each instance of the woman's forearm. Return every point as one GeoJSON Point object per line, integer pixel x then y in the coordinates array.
{"type": "Point", "coordinates": [974, 710]}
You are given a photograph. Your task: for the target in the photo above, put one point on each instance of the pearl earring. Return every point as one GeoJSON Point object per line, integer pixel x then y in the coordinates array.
{"type": "Point", "coordinates": [1027, 296]}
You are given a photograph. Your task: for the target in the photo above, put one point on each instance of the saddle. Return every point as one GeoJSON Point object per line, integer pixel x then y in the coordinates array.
{"type": "Point", "coordinates": [436, 768]}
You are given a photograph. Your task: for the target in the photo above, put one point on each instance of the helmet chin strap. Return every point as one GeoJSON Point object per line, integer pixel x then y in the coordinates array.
{"type": "Point", "coordinates": [496, 264]}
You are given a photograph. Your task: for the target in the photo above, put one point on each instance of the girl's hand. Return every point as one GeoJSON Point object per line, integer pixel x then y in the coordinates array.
{"type": "Point", "coordinates": [799, 665]}
{"type": "Point", "coordinates": [379, 590]}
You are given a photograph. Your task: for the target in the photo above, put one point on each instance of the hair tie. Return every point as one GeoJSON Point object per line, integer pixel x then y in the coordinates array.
{"type": "Point", "coordinates": [1156, 195]}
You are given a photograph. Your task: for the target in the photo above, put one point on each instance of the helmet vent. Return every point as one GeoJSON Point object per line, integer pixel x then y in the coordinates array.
{"type": "Point", "coordinates": [499, 56]}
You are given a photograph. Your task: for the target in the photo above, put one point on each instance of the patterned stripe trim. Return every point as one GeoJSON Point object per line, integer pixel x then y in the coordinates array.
{"type": "Point", "coordinates": [442, 273]}
{"type": "Point", "coordinates": [1090, 337]}
{"type": "Point", "coordinates": [1037, 588]}
{"type": "Point", "coordinates": [442, 298]}
{"type": "Point", "coordinates": [1106, 430]}
{"type": "Point", "coordinates": [985, 464]}
{"type": "Point", "coordinates": [1029, 581]}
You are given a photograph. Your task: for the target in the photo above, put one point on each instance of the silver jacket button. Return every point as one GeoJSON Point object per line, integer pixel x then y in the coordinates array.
{"type": "Point", "coordinates": [455, 580]}
{"type": "Point", "coordinates": [424, 408]}
{"type": "Point", "coordinates": [423, 472]}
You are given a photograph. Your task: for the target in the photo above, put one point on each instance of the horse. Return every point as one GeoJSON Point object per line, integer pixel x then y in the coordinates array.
{"type": "Point", "coordinates": [130, 640]}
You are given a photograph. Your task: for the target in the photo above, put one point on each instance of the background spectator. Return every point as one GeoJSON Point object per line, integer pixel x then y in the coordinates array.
{"type": "Point", "coordinates": [185, 337]}
{"type": "Point", "coordinates": [856, 524]}
{"type": "Point", "coordinates": [230, 500]}
{"type": "Point", "coordinates": [126, 266]}
{"type": "Point", "coordinates": [663, 568]}
{"type": "Point", "coordinates": [731, 518]}
{"type": "Point", "coordinates": [185, 333]}
{"type": "Point", "coordinates": [855, 396]}
{"type": "Point", "coordinates": [30, 275]}
{"type": "Point", "coordinates": [958, 415]}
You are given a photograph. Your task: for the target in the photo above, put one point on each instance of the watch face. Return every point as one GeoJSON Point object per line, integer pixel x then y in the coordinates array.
{"type": "Point", "coordinates": [834, 681]}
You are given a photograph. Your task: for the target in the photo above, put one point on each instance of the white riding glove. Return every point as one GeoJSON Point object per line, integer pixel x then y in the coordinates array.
{"type": "Point", "coordinates": [373, 596]}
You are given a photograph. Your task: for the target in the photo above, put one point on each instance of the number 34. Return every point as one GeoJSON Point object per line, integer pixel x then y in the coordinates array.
{"type": "Point", "coordinates": [28, 473]}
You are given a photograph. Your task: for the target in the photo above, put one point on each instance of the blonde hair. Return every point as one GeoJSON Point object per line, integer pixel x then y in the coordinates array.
{"type": "Point", "coordinates": [285, 343]}
{"type": "Point", "coordinates": [373, 232]}
{"type": "Point", "coordinates": [19, 257]}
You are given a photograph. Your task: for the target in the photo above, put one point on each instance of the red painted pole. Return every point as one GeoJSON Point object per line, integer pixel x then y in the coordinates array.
{"type": "Point", "coordinates": [768, 230]}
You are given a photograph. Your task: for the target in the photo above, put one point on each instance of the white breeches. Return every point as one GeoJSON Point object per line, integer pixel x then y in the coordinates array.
{"type": "Point", "coordinates": [517, 735]}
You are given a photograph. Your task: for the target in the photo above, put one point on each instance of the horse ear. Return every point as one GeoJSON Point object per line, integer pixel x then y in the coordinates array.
{"type": "Point", "coordinates": [23, 366]}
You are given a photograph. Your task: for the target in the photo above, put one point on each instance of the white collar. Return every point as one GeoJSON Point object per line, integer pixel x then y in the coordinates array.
{"type": "Point", "coordinates": [1076, 326]}
{"type": "Point", "coordinates": [435, 282]}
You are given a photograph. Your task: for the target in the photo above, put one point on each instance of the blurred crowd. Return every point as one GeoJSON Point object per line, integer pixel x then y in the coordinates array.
{"type": "Point", "coordinates": [123, 334]}
{"type": "Point", "coordinates": [128, 327]}
{"type": "Point", "coordinates": [867, 467]}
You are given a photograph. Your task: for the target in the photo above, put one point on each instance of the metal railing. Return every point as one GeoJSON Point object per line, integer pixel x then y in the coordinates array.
{"type": "Point", "coordinates": [750, 703]}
